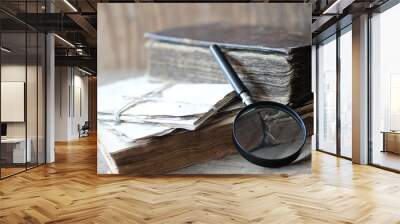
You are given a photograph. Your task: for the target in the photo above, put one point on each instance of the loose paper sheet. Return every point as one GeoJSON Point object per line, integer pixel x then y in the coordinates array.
{"type": "Point", "coordinates": [173, 105]}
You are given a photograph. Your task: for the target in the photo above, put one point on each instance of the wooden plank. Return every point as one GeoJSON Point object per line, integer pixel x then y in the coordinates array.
{"type": "Point", "coordinates": [70, 191]}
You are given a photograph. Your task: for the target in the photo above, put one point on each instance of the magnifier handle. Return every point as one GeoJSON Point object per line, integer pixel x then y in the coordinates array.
{"type": "Point", "coordinates": [231, 75]}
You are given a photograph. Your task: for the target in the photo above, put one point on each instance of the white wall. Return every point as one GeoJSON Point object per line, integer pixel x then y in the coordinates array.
{"type": "Point", "coordinates": [34, 125]}
{"type": "Point", "coordinates": [61, 103]}
{"type": "Point", "coordinates": [12, 73]}
{"type": "Point", "coordinates": [80, 109]}
{"type": "Point", "coordinates": [71, 102]}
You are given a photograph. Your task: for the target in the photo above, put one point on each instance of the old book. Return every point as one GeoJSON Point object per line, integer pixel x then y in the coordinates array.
{"type": "Point", "coordinates": [273, 64]}
{"type": "Point", "coordinates": [179, 149]}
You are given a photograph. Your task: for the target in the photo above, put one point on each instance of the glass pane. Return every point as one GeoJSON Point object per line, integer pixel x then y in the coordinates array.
{"type": "Point", "coordinates": [32, 90]}
{"type": "Point", "coordinates": [13, 89]}
{"type": "Point", "coordinates": [327, 96]}
{"type": "Point", "coordinates": [345, 94]}
{"type": "Point", "coordinates": [41, 99]}
{"type": "Point", "coordinates": [31, 100]}
{"type": "Point", "coordinates": [385, 84]}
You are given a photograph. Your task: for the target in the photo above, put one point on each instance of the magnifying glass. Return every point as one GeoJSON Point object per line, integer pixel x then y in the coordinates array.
{"type": "Point", "coordinates": [265, 133]}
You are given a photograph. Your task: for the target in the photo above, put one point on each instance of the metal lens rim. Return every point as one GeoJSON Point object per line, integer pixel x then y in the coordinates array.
{"type": "Point", "coordinates": [269, 162]}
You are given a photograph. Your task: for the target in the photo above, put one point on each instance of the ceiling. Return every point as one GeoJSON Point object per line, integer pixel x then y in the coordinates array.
{"type": "Point", "coordinates": [75, 22]}
{"type": "Point", "coordinates": [332, 15]}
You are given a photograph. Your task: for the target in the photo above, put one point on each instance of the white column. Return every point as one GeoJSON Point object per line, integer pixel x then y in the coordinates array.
{"type": "Point", "coordinates": [50, 92]}
{"type": "Point", "coordinates": [360, 90]}
{"type": "Point", "coordinates": [50, 99]}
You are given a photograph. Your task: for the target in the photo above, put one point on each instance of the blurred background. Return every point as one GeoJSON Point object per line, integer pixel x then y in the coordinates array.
{"type": "Point", "coordinates": [121, 51]}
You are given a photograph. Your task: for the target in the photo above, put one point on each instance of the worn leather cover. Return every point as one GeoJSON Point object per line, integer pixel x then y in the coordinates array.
{"type": "Point", "coordinates": [244, 37]}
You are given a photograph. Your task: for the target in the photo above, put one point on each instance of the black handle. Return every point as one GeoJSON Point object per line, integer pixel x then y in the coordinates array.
{"type": "Point", "coordinates": [230, 74]}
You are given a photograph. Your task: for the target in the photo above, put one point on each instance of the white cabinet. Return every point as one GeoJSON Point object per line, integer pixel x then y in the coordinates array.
{"type": "Point", "coordinates": [17, 147]}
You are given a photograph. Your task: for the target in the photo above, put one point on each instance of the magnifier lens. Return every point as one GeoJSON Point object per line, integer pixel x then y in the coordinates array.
{"type": "Point", "coordinates": [268, 132]}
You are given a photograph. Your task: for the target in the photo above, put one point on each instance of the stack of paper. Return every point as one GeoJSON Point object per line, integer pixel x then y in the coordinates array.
{"type": "Point", "coordinates": [137, 109]}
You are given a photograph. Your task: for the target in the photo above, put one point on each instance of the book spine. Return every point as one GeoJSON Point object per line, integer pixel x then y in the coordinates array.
{"type": "Point", "coordinates": [268, 77]}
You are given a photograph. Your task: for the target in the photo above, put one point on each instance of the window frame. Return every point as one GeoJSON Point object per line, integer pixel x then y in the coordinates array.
{"type": "Point", "coordinates": [342, 28]}
{"type": "Point", "coordinates": [377, 10]}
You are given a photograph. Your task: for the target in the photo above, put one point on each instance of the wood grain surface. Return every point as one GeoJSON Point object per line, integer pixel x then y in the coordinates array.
{"type": "Point", "coordinates": [69, 191]}
{"type": "Point", "coordinates": [121, 26]}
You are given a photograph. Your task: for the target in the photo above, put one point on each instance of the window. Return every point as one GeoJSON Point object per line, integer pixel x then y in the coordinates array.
{"type": "Point", "coordinates": [345, 42]}
{"type": "Point", "coordinates": [22, 77]}
{"type": "Point", "coordinates": [326, 61]}
{"type": "Point", "coordinates": [334, 106]}
{"type": "Point", "coordinates": [385, 89]}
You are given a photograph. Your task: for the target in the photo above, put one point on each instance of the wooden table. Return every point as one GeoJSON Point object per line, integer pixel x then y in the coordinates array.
{"type": "Point", "coordinates": [391, 141]}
